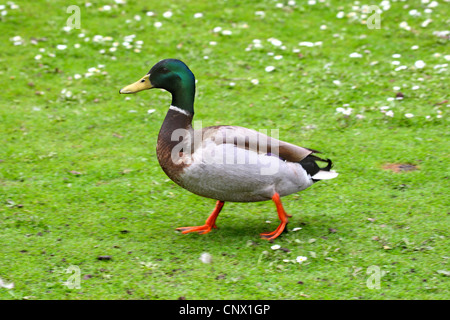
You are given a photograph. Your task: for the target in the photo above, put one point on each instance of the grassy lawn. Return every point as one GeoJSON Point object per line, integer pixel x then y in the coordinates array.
{"type": "Point", "coordinates": [80, 185]}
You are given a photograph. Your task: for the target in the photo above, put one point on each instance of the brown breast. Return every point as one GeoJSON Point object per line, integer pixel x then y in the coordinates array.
{"type": "Point", "coordinates": [171, 138]}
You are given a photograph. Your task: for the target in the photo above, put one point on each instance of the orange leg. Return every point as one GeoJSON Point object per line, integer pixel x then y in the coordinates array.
{"type": "Point", "coordinates": [282, 215]}
{"type": "Point", "coordinates": [209, 224]}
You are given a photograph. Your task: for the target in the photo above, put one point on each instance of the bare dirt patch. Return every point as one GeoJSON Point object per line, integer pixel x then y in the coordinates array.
{"type": "Point", "coordinates": [400, 167]}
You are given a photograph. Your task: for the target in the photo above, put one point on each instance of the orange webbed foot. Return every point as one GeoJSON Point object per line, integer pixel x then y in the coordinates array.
{"type": "Point", "coordinates": [282, 215]}
{"type": "Point", "coordinates": [274, 234]}
{"type": "Point", "coordinates": [209, 224]}
{"type": "Point", "coordinates": [200, 229]}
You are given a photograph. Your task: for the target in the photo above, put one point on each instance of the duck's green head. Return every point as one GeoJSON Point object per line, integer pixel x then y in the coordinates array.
{"type": "Point", "coordinates": [172, 75]}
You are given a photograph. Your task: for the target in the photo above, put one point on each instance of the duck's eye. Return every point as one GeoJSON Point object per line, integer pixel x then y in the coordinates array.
{"type": "Point", "coordinates": [143, 80]}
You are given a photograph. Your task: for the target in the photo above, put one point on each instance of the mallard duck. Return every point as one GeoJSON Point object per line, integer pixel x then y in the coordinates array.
{"type": "Point", "coordinates": [225, 163]}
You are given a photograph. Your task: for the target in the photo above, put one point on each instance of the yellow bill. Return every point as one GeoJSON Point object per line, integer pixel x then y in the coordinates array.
{"type": "Point", "coordinates": [142, 84]}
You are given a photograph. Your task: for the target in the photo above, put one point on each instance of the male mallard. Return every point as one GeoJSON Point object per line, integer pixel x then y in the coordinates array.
{"type": "Point", "coordinates": [225, 163]}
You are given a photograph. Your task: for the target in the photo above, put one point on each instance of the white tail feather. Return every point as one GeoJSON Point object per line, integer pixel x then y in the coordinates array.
{"type": "Point", "coordinates": [324, 175]}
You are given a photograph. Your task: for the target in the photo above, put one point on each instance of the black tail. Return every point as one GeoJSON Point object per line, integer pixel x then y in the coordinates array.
{"type": "Point", "coordinates": [311, 167]}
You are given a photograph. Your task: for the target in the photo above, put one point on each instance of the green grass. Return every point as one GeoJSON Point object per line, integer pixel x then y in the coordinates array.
{"type": "Point", "coordinates": [79, 177]}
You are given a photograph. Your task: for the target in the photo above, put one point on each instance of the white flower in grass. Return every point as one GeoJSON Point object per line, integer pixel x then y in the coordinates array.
{"type": "Point", "coordinates": [61, 47]}
{"type": "Point", "coordinates": [157, 24]}
{"type": "Point", "coordinates": [409, 115]}
{"type": "Point", "coordinates": [340, 15]}
{"type": "Point", "coordinates": [419, 64]}
{"type": "Point", "coordinates": [269, 68]}
{"type": "Point", "coordinates": [167, 14]}
{"type": "Point", "coordinates": [344, 111]}
{"type": "Point", "coordinates": [255, 81]}
{"type": "Point", "coordinates": [67, 93]}
{"type": "Point", "coordinates": [401, 68]}
{"type": "Point", "coordinates": [404, 25]}
{"type": "Point", "coordinates": [296, 229]}
{"type": "Point", "coordinates": [355, 55]}
{"type": "Point", "coordinates": [275, 247]}
{"type": "Point", "coordinates": [389, 113]}
{"type": "Point", "coordinates": [275, 42]}
{"type": "Point", "coordinates": [198, 15]}
{"type": "Point", "coordinates": [6, 285]}
{"type": "Point", "coordinates": [306, 44]}
{"type": "Point", "coordinates": [301, 259]}
{"type": "Point", "coordinates": [426, 23]}
{"type": "Point", "coordinates": [347, 111]}
{"type": "Point", "coordinates": [205, 257]}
